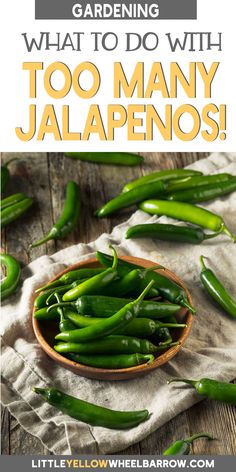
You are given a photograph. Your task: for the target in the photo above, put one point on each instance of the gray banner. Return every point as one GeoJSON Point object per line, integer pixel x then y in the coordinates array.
{"type": "Point", "coordinates": [114, 462]}
{"type": "Point", "coordinates": [115, 9]}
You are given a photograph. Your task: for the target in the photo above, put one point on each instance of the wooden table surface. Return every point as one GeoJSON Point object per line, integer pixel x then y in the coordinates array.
{"type": "Point", "coordinates": [44, 176]}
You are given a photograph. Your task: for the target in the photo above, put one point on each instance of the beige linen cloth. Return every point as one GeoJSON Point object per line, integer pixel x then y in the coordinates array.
{"type": "Point", "coordinates": [210, 351]}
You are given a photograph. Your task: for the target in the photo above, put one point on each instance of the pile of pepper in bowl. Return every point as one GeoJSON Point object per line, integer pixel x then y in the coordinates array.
{"type": "Point", "coordinates": [112, 318]}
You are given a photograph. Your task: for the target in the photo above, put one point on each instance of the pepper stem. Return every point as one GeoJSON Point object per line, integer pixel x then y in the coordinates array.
{"type": "Point", "coordinates": [167, 342]}
{"type": "Point", "coordinates": [150, 269]}
{"type": "Point", "coordinates": [38, 390]}
{"type": "Point", "coordinates": [229, 233]}
{"type": "Point", "coordinates": [144, 292]}
{"type": "Point", "coordinates": [60, 309]}
{"type": "Point", "coordinates": [50, 297]}
{"type": "Point", "coordinates": [171, 325]}
{"type": "Point", "coordinates": [165, 346]}
{"type": "Point", "coordinates": [41, 241]}
{"type": "Point", "coordinates": [197, 436]}
{"type": "Point", "coordinates": [58, 305]}
{"type": "Point", "coordinates": [213, 235]}
{"type": "Point", "coordinates": [187, 305]}
{"type": "Point", "coordinates": [203, 265]}
{"type": "Point", "coordinates": [190, 382]}
{"type": "Point", "coordinates": [55, 283]}
{"type": "Point", "coordinates": [115, 257]}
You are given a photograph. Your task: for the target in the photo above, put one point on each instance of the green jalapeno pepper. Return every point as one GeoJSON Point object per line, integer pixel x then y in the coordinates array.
{"type": "Point", "coordinates": [114, 344]}
{"type": "Point", "coordinates": [11, 213]}
{"type": "Point", "coordinates": [138, 327]}
{"type": "Point", "coordinates": [112, 158]}
{"type": "Point", "coordinates": [212, 389]}
{"type": "Point", "coordinates": [183, 446]}
{"type": "Point", "coordinates": [161, 175]}
{"type": "Point", "coordinates": [196, 181]}
{"type": "Point", "coordinates": [166, 287]}
{"type": "Point", "coordinates": [123, 285]}
{"type": "Point", "coordinates": [43, 298]}
{"type": "Point", "coordinates": [168, 319]}
{"type": "Point", "coordinates": [162, 336]}
{"type": "Point", "coordinates": [187, 212]}
{"type": "Point", "coordinates": [9, 201]}
{"type": "Point", "coordinates": [90, 413]}
{"type": "Point", "coordinates": [12, 279]}
{"type": "Point", "coordinates": [122, 361]}
{"type": "Point", "coordinates": [162, 331]}
{"type": "Point", "coordinates": [131, 198]}
{"type": "Point", "coordinates": [65, 324]}
{"type": "Point", "coordinates": [106, 326]}
{"type": "Point", "coordinates": [61, 290]}
{"type": "Point", "coordinates": [5, 174]}
{"type": "Point", "coordinates": [69, 217]}
{"type": "Point", "coordinates": [123, 266]}
{"type": "Point", "coordinates": [142, 283]}
{"type": "Point", "coordinates": [131, 284]}
{"type": "Point", "coordinates": [95, 284]}
{"type": "Point", "coordinates": [103, 307]}
{"type": "Point", "coordinates": [72, 276]}
{"type": "Point", "coordinates": [217, 290]}
{"type": "Point", "coordinates": [204, 193]}
{"type": "Point", "coordinates": [167, 232]}
{"type": "Point", "coordinates": [42, 314]}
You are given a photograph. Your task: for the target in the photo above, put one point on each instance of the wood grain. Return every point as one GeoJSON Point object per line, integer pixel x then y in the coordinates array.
{"type": "Point", "coordinates": [44, 176]}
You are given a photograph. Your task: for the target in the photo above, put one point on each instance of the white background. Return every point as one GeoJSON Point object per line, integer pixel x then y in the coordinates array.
{"type": "Point", "coordinates": [17, 17]}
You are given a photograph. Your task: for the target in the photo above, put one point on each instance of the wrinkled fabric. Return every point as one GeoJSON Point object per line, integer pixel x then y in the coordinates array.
{"type": "Point", "coordinates": [210, 351]}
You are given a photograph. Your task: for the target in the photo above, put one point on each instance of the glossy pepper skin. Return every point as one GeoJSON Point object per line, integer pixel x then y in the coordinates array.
{"type": "Point", "coordinates": [95, 284]}
{"type": "Point", "coordinates": [183, 446]}
{"type": "Point", "coordinates": [5, 174]}
{"type": "Point", "coordinates": [204, 193]}
{"type": "Point", "coordinates": [123, 285]}
{"type": "Point", "coordinates": [42, 314]}
{"type": "Point", "coordinates": [217, 290]}
{"type": "Point", "coordinates": [65, 324]}
{"type": "Point", "coordinates": [197, 181]}
{"type": "Point", "coordinates": [213, 389]}
{"type": "Point", "coordinates": [61, 290]}
{"type": "Point", "coordinates": [130, 284]}
{"type": "Point", "coordinates": [90, 413]}
{"type": "Point", "coordinates": [12, 279]}
{"type": "Point", "coordinates": [166, 287]}
{"type": "Point", "coordinates": [138, 327]}
{"type": "Point", "coordinates": [41, 300]}
{"type": "Point", "coordinates": [106, 326]}
{"type": "Point", "coordinates": [161, 175]}
{"type": "Point", "coordinates": [123, 266]}
{"type": "Point", "coordinates": [15, 198]}
{"type": "Point", "coordinates": [168, 232]}
{"type": "Point", "coordinates": [132, 197]}
{"type": "Point", "coordinates": [187, 212]}
{"type": "Point", "coordinates": [13, 212]}
{"type": "Point", "coordinates": [103, 307]}
{"type": "Point", "coordinates": [110, 158]}
{"type": "Point", "coordinates": [121, 361]}
{"type": "Point", "coordinates": [69, 217]}
{"type": "Point", "coordinates": [114, 344]}
{"type": "Point", "coordinates": [72, 276]}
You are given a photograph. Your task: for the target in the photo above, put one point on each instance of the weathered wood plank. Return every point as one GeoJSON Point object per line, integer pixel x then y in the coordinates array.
{"type": "Point", "coordinates": [29, 174]}
{"type": "Point", "coordinates": [5, 431]}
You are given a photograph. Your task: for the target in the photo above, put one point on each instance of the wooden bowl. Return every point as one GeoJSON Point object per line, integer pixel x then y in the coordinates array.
{"type": "Point", "coordinates": [46, 331]}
